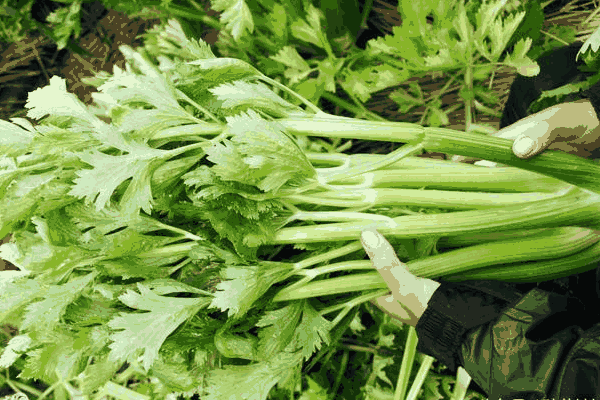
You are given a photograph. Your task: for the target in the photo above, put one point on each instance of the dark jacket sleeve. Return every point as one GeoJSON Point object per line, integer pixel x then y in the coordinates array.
{"type": "Point", "coordinates": [514, 345]}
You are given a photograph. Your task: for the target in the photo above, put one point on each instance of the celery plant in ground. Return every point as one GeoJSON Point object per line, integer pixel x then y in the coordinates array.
{"type": "Point", "coordinates": [145, 227]}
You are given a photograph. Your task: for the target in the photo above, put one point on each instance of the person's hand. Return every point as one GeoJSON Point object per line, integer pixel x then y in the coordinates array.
{"type": "Point", "coordinates": [560, 127]}
{"type": "Point", "coordinates": [409, 293]}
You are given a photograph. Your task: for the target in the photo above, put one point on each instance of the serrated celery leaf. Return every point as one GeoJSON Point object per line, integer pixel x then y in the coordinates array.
{"type": "Point", "coordinates": [169, 39]}
{"type": "Point", "coordinates": [14, 295]}
{"type": "Point", "coordinates": [312, 331]}
{"type": "Point", "coordinates": [208, 252]}
{"type": "Point", "coordinates": [58, 358]}
{"type": "Point", "coordinates": [168, 286]}
{"type": "Point", "coordinates": [250, 382]}
{"type": "Point", "coordinates": [236, 16]}
{"type": "Point", "coordinates": [54, 99]}
{"type": "Point", "coordinates": [278, 329]}
{"type": "Point", "coordinates": [230, 208]}
{"type": "Point", "coordinates": [310, 31]}
{"type": "Point", "coordinates": [143, 124]}
{"type": "Point", "coordinates": [283, 327]}
{"type": "Point", "coordinates": [225, 68]}
{"type": "Point", "coordinates": [261, 154]}
{"type": "Point", "coordinates": [519, 60]}
{"type": "Point", "coordinates": [90, 309]}
{"type": "Point", "coordinates": [14, 140]}
{"type": "Point", "coordinates": [126, 87]}
{"type": "Point", "coordinates": [146, 332]}
{"type": "Point", "coordinates": [298, 68]}
{"type": "Point", "coordinates": [46, 313]}
{"type": "Point", "coordinates": [243, 285]}
{"type": "Point", "coordinates": [174, 375]}
{"type": "Point", "coordinates": [132, 266]}
{"type": "Point", "coordinates": [52, 140]}
{"type": "Point", "coordinates": [241, 95]}
{"type": "Point", "coordinates": [96, 375]}
{"type": "Point", "coordinates": [372, 79]}
{"type": "Point", "coordinates": [127, 243]}
{"type": "Point", "coordinates": [101, 222]}
{"type": "Point", "coordinates": [244, 233]}
{"type": "Point", "coordinates": [16, 345]}
{"type": "Point", "coordinates": [109, 172]}
{"type": "Point", "coordinates": [22, 197]}
{"type": "Point", "coordinates": [30, 252]}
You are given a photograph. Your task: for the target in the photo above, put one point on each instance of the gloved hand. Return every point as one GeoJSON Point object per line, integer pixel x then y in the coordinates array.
{"type": "Point", "coordinates": [560, 127]}
{"type": "Point", "coordinates": [409, 293]}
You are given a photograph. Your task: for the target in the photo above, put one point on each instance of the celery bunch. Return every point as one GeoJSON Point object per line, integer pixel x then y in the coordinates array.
{"type": "Point", "coordinates": [135, 221]}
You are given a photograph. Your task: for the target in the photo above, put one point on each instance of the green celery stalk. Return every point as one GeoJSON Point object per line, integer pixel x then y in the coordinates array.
{"type": "Point", "coordinates": [548, 245]}
{"type": "Point", "coordinates": [566, 167]}
{"type": "Point", "coordinates": [503, 180]}
{"type": "Point", "coordinates": [576, 207]}
{"type": "Point", "coordinates": [471, 239]}
{"type": "Point", "coordinates": [553, 243]}
{"type": "Point", "coordinates": [410, 197]}
{"type": "Point", "coordinates": [436, 174]}
{"type": "Point", "coordinates": [536, 271]}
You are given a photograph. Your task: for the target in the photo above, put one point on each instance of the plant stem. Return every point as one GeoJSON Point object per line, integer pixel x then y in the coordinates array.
{"type": "Point", "coordinates": [405, 197]}
{"type": "Point", "coordinates": [356, 301]}
{"type": "Point", "coordinates": [577, 208]}
{"type": "Point", "coordinates": [408, 360]}
{"type": "Point", "coordinates": [563, 166]}
{"type": "Point", "coordinates": [462, 383]}
{"type": "Point", "coordinates": [359, 112]}
{"type": "Point", "coordinates": [420, 378]}
{"type": "Point", "coordinates": [330, 255]}
{"type": "Point", "coordinates": [389, 159]}
{"type": "Point", "coordinates": [501, 180]}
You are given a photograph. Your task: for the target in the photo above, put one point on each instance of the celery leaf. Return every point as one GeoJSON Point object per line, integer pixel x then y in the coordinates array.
{"type": "Point", "coordinates": [250, 382]}
{"type": "Point", "coordinates": [99, 183]}
{"type": "Point", "coordinates": [312, 331]}
{"type": "Point", "coordinates": [266, 156]}
{"type": "Point", "coordinates": [243, 285]}
{"type": "Point", "coordinates": [46, 313]}
{"type": "Point", "coordinates": [278, 329]}
{"type": "Point", "coordinates": [236, 16]}
{"type": "Point", "coordinates": [146, 332]}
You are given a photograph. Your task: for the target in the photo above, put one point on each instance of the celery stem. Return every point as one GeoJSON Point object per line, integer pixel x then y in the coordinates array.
{"type": "Point", "coordinates": [566, 167]}
{"type": "Point", "coordinates": [408, 359]}
{"type": "Point", "coordinates": [372, 295]}
{"type": "Point", "coordinates": [330, 255]}
{"type": "Point", "coordinates": [171, 250]}
{"type": "Point", "coordinates": [198, 106]}
{"type": "Point", "coordinates": [577, 208]}
{"type": "Point", "coordinates": [340, 216]}
{"type": "Point", "coordinates": [389, 159]}
{"type": "Point", "coordinates": [342, 266]}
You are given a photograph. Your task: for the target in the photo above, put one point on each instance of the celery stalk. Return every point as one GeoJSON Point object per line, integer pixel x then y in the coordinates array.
{"type": "Point", "coordinates": [552, 244]}
{"type": "Point", "coordinates": [471, 239]}
{"type": "Point", "coordinates": [508, 180]}
{"type": "Point", "coordinates": [417, 172]}
{"type": "Point", "coordinates": [577, 207]}
{"type": "Point", "coordinates": [566, 167]}
{"type": "Point", "coordinates": [536, 271]}
{"type": "Point", "coordinates": [425, 198]}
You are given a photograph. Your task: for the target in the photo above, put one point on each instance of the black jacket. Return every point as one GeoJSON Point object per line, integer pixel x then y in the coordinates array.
{"type": "Point", "coordinates": [523, 341]}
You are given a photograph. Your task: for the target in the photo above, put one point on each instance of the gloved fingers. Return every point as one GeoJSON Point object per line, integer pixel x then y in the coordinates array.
{"type": "Point", "coordinates": [394, 309]}
{"type": "Point", "coordinates": [384, 259]}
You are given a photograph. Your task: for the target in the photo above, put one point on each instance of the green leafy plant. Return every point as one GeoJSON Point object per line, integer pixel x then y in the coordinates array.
{"type": "Point", "coordinates": [145, 227]}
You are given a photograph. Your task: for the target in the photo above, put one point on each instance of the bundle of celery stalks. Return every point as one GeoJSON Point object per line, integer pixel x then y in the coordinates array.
{"type": "Point", "coordinates": [191, 176]}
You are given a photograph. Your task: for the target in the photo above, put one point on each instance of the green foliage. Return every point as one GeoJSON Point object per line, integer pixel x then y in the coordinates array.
{"type": "Point", "coordinates": [138, 249]}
